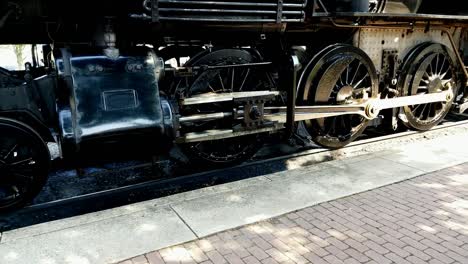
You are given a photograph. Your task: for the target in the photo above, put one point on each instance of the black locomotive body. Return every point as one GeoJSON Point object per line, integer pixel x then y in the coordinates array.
{"type": "Point", "coordinates": [214, 77]}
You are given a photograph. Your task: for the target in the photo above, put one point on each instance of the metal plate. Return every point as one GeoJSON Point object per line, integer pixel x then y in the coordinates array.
{"type": "Point", "coordinates": [374, 41]}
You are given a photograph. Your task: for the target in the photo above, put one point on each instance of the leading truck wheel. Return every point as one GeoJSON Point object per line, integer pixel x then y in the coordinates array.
{"type": "Point", "coordinates": [24, 164]}
{"type": "Point", "coordinates": [430, 68]}
{"type": "Point", "coordinates": [338, 75]}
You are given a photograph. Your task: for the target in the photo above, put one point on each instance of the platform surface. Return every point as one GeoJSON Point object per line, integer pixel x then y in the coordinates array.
{"type": "Point", "coordinates": [421, 220]}
{"type": "Point", "coordinates": [114, 235]}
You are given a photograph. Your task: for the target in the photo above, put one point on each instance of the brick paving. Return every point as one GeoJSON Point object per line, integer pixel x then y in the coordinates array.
{"type": "Point", "coordinates": [422, 220]}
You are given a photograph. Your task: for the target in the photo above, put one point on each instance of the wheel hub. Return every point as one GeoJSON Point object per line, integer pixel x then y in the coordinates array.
{"type": "Point", "coordinates": [345, 93]}
{"type": "Point", "coordinates": [435, 85]}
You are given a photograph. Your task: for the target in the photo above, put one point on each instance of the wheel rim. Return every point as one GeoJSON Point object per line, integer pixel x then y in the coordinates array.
{"type": "Point", "coordinates": [431, 70]}
{"type": "Point", "coordinates": [342, 75]}
{"type": "Point", "coordinates": [23, 165]}
{"type": "Point", "coordinates": [231, 150]}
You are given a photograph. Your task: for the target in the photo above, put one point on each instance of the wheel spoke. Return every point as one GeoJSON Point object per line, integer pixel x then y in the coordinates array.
{"type": "Point", "coordinates": [359, 83]}
{"type": "Point", "coordinates": [340, 79]}
{"type": "Point", "coordinates": [347, 74]}
{"type": "Point", "coordinates": [232, 79]}
{"type": "Point", "coordinates": [442, 76]}
{"type": "Point", "coordinates": [211, 88]}
{"type": "Point", "coordinates": [22, 178]}
{"type": "Point", "coordinates": [355, 73]}
{"type": "Point", "coordinates": [9, 152]}
{"type": "Point", "coordinates": [245, 78]}
{"type": "Point", "coordinates": [432, 112]}
{"type": "Point", "coordinates": [221, 81]}
{"type": "Point", "coordinates": [422, 88]}
{"type": "Point", "coordinates": [21, 162]}
{"type": "Point", "coordinates": [442, 67]}
{"type": "Point", "coordinates": [416, 108]}
{"type": "Point", "coordinates": [422, 111]}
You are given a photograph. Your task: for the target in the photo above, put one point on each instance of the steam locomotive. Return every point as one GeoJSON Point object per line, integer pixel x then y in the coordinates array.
{"type": "Point", "coordinates": [215, 77]}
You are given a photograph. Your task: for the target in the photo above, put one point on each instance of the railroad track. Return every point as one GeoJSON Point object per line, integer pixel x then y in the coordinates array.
{"type": "Point", "coordinates": [105, 199]}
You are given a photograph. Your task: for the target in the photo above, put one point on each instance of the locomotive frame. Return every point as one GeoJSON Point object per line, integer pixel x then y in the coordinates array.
{"type": "Point", "coordinates": [255, 69]}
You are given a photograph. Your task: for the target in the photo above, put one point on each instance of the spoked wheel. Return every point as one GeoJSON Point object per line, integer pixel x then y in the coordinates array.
{"type": "Point", "coordinates": [377, 6]}
{"type": "Point", "coordinates": [224, 152]}
{"type": "Point", "coordinates": [24, 163]}
{"type": "Point", "coordinates": [428, 69]}
{"type": "Point", "coordinates": [338, 75]}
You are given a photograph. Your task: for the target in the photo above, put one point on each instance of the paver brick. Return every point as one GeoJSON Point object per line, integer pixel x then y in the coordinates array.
{"type": "Point", "coordinates": [416, 260]}
{"type": "Point", "coordinates": [296, 258]}
{"type": "Point", "coordinates": [374, 246]}
{"type": "Point", "coordinates": [333, 260]}
{"type": "Point", "coordinates": [313, 258]}
{"type": "Point", "coordinates": [357, 255]}
{"type": "Point", "coordinates": [457, 257]}
{"type": "Point", "coordinates": [155, 258]}
{"type": "Point", "coordinates": [337, 243]}
{"type": "Point", "coordinates": [396, 259]}
{"type": "Point", "coordinates": [379, 258]}
{"type": "Point", "coordinates": [351, 261]}
{"type": "Point", "coordinates": [337, 252]}
{"type": "Point", "coordinates": [233, 259]}
{"type": "Point", "coordinates": [374, 238]}
{"type": "Point", "coordinates": [455, 248]}
{"type": "Point", "coordinates": [355, 235]}
{"type": "Point", "coordinates": [139, 260]}
{"type": "Point", "coordinates": [269, 261]}
{"type": "Point", "coordinates": [394, 240]}
{"type": "Point", "coordinates": [397, 250]}
{"type": "Point", "coordinates": [414, 243]}
{"type": "Point", "coordinates": [277, 255]}
{"type": "Point", "coordinates": [441, 257]}
{"type": "Point", "coordinates": [258, 253]}
{"type": "Point", "coordinates": [356, 245]}
{"type": "Point", "coordinates": [251, 260]}
{"type": "Point", "coordinates": [418, 253]}
{"type": "Point", "coordinates": [317, 249]}
{"type": "Point", "coordinates": [215, 257]}
{"type": "Point", "coordinates": [261, 243]}
{"type": "Point", "coordinates": [433, 245]}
